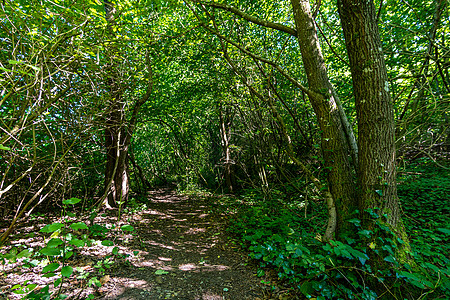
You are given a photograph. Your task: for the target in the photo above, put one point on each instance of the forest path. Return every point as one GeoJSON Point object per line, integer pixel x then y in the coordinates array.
{"type": "Point", "coordinates": [180, 237]}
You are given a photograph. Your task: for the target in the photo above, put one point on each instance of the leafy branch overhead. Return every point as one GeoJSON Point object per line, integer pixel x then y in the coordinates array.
{"type": "Point", "coordinates": [315, 132]}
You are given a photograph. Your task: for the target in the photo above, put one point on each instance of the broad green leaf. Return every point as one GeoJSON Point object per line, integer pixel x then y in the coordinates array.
{"type": "Point", "coordinates": [66, 271]}
{"type": "Point", "coordinates": [115, 250]}
{"type": "Point", "coordinates": [290, 247]}
{"type": "Point", "coordinates": [57, 282]}
{"type": "Point", "coordinates": [31, 287]}
{"type": "Point", "coordinates": [51, 227]}
{"type": "Point", "coordinates": [4, 148]}
{"type": "Point", "coordinates": [77, 242]}
{"type": "Point", "coordinates": [49, 275]}
{"type": "Point", "coordinates": [161, 272]}
{"type": "Point", "coordinates": [79, 225]}
{"type": "Point", "coordinates": [307, 288]}
{"type": "Point", "coordinates": [68, 254]}
{"type": "Point", "coordinates": [50, 251]}
{"type": "Point", "coordinates": [94, 280]}
{"type": "Point", "coordinates": [50, 268]}
{"type": "Point", "coordinates": [17, 289]}
{"type": "Point", "coordinates": [390, 259]}
{"type": "Point", "coordinates": [53, 243]}
{"type": "Point", "coordinates": [444, 230]}
{"type": "Point", "coordinates": [24, 253]}
{"type": "Point", "coordinates": [127, 228]}
{"type": "Point", "coordinates": [365, 233]}
{"type": "Point", "coordinates": [107, 243]}
{"type": "Point", "coordinates": [360, 255]}
{"type": "Point", "coordinates": [71, 201]}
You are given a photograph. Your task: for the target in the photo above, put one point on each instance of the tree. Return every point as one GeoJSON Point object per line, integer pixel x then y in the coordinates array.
{"type": "Point", "coordinates": [375, 174]}
{"type": "Point", "coordinates": [375, 114]}
{"type": "Point", "coordinates": [119, 127]}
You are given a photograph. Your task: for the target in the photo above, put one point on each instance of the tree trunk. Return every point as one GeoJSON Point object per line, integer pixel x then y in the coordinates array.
{"type": "Point", "coordinates": [225, 134]}
{"type": "Point", "coordinates": [376, 128]}
{"type": "Point", "coordinates": [335, 145]}
{"type": "Point", "coordinates": [115, 137]}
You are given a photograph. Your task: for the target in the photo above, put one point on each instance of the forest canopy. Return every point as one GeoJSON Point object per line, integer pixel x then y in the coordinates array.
{"type": "Point", "coordinates": [328, 121]}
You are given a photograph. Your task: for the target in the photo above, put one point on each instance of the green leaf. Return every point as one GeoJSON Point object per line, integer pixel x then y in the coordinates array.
{"type": "Point", "coordinates": [107, 243]}
{"type": "Point", "coordinates": [51, 227]}
{"type": "Point", "coordinates": [50, 268]}
{"type": "Point", "coordinates": [307, 288]}
{"type": "Point", "coordinates": [379, 192]}
{"type": "Point", "coordinates": [365, 233]}
{"type": "Point", "coordinates": [94, 280]}
{"type": "Point", "coordinates": [14, 62]}
{"type": "Point", "coordinates": [412, 278]}
{"type": "Point", "coordinates": [79, 225]}
{"type": "Point", "coordinates": [53, 243]}
{"type": "Point", "coordinates": [50, 251]}
{"type": "Point", "coordinates": [24, 253]}
{"type": "Point", "coordinates": [360, 255]}
{"type": "Point", "coordinates": [49, 275]}
{"type": "Point", "coordinates": [127, 228]}
{"type": "Point", "coordinates": [31, 287]}
{"type": "Point", "coordinates": [71, 201]}
{"type": "Point", "coordinates": [57, 282]}
{"type": "Point", "coordinates": [66, 271]}
{"type": "Point", "coordinates": [77, 242]}
{"type": "Point", "coordinates": [290, 247]}
{"type": "Point", "coordinates": [115, 250]}
{"type": "Point", "coordinates": [357, 222]}
{"type": "Point", "coordinates": [390, 259]}
{"type": "Point", "coordinates": [4, 148]}
{"type": "Point", "coordinates": [161, 272]}
{"type": "Point", "coordinates": [33, 67]}
{"type": "Point", "coordinates": [444, 230]}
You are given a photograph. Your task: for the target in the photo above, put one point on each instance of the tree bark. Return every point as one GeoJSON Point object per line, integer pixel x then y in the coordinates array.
{"type": "Point", "coordinates": [335, 146]}
{"type": "Point", "coordinates": [375, 113]}
{"type": "Point", "coordinates": [116, 134]}
{"type": "Point", "coordinates": [119, 130]}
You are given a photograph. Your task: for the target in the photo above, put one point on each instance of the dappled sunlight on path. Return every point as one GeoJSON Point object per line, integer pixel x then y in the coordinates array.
{"type": "Point", "coordinates": [182, 255]}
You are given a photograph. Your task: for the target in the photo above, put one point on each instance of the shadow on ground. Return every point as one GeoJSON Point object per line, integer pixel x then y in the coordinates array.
{"type": "Point", "coordinates": [183, 254]}
{"type": "Point", "coordinates": [178, 250]}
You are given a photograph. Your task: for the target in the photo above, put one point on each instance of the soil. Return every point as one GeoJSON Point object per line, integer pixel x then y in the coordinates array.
{"type": "Point", "coordinates": [178, 250]}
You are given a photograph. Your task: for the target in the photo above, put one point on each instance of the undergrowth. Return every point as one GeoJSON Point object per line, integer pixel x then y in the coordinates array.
{"type": "Point", "coordinates": [281, 234]}
{"type": "Point", "coordinates": [55, 261]}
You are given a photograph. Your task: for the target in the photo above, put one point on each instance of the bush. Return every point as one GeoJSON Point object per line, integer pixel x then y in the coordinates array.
{"type": "Point", "coordinates": [352, 268]}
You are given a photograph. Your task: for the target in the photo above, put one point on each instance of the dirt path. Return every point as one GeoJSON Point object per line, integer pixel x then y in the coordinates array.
{"type": "Point", "coordinates": [178, 236]}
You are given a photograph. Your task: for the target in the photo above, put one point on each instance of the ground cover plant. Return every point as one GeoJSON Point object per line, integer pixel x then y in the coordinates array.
{"type": "Point", "coordinates": [58, 251]}
{"type": "Point", "coordinates": [350, 268]}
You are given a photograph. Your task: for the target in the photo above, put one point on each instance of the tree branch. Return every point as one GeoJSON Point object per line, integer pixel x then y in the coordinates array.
{"type": "Point", "coordinates": [250, 18]}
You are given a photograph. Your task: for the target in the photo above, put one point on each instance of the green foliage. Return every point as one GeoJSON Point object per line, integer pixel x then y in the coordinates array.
{"type": "Point", "coordinates": [65, 239]}
{"type": "Point", "coordinates": [361, 266]}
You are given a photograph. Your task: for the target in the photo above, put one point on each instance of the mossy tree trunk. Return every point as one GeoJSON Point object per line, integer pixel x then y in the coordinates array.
{"type": "Point", "coordinates": [377, 186]}
{"type": "Point", "coordinates": [336, 145]}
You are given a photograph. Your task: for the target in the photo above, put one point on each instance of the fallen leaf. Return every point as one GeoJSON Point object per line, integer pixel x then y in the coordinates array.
{"type": "Point", "coordinates": [105, 279]}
